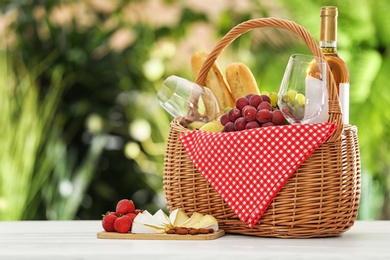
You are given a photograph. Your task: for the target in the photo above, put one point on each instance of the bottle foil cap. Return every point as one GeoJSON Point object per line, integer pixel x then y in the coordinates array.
{"type": "Point", "coordinates": [328, 23]}
{"type": "Point", "coordinates": [329, 11]}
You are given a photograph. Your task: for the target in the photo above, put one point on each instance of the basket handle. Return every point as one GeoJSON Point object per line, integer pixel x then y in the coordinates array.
{"type": "Point", "coordinates": [334, 103]}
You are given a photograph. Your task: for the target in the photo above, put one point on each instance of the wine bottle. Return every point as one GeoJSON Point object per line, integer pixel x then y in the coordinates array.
{"type": "Point", "coordinates": [328, 45]}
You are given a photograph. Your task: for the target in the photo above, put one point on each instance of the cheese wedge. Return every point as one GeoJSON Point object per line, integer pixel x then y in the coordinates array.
{"type": "Point", "coordinates": [146, 223]}
{"type": "Point", "coordinates": [161, 217]}
{"type": "Point", "coordinates": [208, 221]}
{"type": "Point", "coordinates": [148, 219]}
{"type": "Point", "coordinates": [139, 228]}
{"type": "Point", "coordinates": [178, 217]}
{"type": "Point", "coordinates": [192, 220]}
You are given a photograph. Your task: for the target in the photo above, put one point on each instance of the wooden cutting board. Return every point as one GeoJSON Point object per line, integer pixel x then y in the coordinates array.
{"type": "Point", "coordinates": [115, 235]}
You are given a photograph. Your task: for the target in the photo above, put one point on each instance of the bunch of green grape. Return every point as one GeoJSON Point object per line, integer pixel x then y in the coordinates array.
{"type": "Point", "coordinates": [273, 96]}
{"type": "Point", "coordinates": [295, 104]}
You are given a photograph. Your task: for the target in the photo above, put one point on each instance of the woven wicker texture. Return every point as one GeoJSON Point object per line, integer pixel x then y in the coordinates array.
{"type": "Point", "coordinates": [321, 198]}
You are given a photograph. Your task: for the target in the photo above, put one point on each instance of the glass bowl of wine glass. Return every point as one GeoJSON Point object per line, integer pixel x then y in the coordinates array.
{"type": "Point", "coordinates": [303, 92]}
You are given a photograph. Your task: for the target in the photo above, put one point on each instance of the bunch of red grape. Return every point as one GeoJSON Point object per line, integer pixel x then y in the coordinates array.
{"type": "Point", "coordinates": [251, 111]}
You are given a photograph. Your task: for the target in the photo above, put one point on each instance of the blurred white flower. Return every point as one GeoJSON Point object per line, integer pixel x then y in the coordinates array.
{"type": "Point", "coordinates": [132, 150]}
{"type": "Point", "coordinates": [39, 12]}
{"type": "Point", "coordinates": [84, 16]}
{"type": "Point", "coordinates": [153, 69]}
{"type": "Point", "coordinates": [140, 130]}
{"type": "Point", "coordinates": [213, 10]}
{"type": "Point", "coordinates": [163, 49]}
{"type": "Point", "coordinates": [94, 123]}
{"type": "Point", "coordinates": [9, 38]}
{"type": "Point", "coordinates": [66, 188]}
{"type": "Point", "coordinates": [121, 39]}
{"type": "Point", "coordinates": [105, 7]}
{"type": "Point", "coordinates": [154, 12]}
{"type": "Point", "coordinates": [62, 16]}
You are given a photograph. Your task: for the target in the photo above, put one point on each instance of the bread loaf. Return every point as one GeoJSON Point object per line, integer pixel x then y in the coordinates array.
{"type": "Point", "coordinates": [241, 80]}
{"type": "Point", "coordinates": [215, 80]}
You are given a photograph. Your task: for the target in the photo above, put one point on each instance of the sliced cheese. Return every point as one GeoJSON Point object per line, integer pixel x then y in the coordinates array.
{"type": "Point", "coordinates": [146, 223]}
{"type": "Point", "coordinates": [178, 217]}
{"type": "Point", "coordinates": [139, 228]}
{"type": "Point", "coordinates": [146, 218]}
{"type": "Point", "coordinates": [192, 220]}
{"type": "Point", "coordinates": [208, 221]}
{"type": "Point", "coordinates": [161, 217]}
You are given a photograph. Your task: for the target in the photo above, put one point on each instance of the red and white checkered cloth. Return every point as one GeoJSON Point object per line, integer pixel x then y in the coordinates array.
{"type": "Point", "coordinates": [248, 168]}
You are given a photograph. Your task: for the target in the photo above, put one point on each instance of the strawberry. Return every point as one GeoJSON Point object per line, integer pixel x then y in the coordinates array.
{"type": "Point", "coordinates": [138, 211]}
{"type": "Point", "coordinates": [108, 221]}
{"type": "Point", "coordinates": [123, 224]}
{"type": "Point", "coordinates": [131, 216]}
{"type": "Point", "coordinates": [112, 213]}
{"type": "Point", "coordinates": [125, 206]}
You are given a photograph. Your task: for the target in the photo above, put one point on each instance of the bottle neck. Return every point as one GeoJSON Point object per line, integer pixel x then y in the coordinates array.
{"type": "Point", "coordinates": [328, 32]}
{"type": "Point", "coordinates": [328, 47]}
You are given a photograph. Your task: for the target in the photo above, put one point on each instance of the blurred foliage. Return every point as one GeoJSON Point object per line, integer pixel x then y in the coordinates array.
{"type": "Point", "coordinates": [27, 142]}
{"type": "Point", "coordinates": [105, 137]}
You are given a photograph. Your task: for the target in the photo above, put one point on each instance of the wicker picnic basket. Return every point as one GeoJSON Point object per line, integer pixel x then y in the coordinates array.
{"type": "Point", "coordinates": [321, 198]}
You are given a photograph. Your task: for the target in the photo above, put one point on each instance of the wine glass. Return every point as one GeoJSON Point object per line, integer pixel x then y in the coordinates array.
{"type": "Point", "coordinates": [185, 99]}
{"type": "Point", "coordinates": [303, 93]}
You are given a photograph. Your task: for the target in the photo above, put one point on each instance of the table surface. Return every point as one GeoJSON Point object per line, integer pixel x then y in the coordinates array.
{"type": "Point", "coordinates": [78, 240]}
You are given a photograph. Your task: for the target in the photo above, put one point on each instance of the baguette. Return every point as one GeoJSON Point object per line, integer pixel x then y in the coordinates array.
{"type": "Point", "coordinates": [241, 80]}
{"type": "Point", "coordinates": [215, 81]}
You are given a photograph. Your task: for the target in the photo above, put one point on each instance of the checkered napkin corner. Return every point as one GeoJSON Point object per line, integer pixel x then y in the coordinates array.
{"type": "Point", "coordinates": [248, 168]}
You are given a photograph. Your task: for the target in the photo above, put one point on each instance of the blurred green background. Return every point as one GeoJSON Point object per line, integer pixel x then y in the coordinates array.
{"type": "Point", "coordinates": [80, 126]}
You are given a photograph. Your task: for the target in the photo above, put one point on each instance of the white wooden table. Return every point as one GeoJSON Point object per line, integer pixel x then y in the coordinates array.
{"type": "Point", "coordinates": [78, 240]}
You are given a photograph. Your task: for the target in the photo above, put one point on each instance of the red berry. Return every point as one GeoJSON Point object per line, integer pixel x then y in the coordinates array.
{"type": "Point", "coordinates": [138, 211]}
{"type": "Point", "coordinates": [277, 117]}
{"type": "Point", "coordinates": [241, 102]}
{"type": "Point", "coordinates": [266, 98]}
{"type": "Point", "coordinates": [263, 116]}
{"type": "Point", "coordinates": [252, 124]}
{"type": "Point", "coordinates": [239, 124]}
{"type": "Point", "coordinates": [255, 100]}
{"type": "Point", "coordinates": [267, 124]}
{"type": "Point", "coordinates": [125, 206]}
{"type": "Point", "coordinates": [249, 96]}
{"type": "Point", "coordinates": [123, 224]}
{"type": "Point", "coordinates": [229, 127]}
{"type": "Point", "coordinates": [233, 114]}
{"type": "Point", "coordinates": [224, 119]}
{"type": "Point", "coordinates": [131, 216]}
{"type": "Point", "coordinates": [108, 221]}
{"type": "Point", "coordinates": [265, 105]}
{"type": "Point", "coordinates": [249, 113]}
